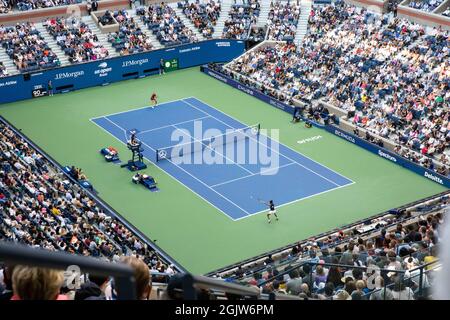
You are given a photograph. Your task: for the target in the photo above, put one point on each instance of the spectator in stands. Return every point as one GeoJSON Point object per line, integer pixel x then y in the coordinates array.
{"type": "Point", "coordinates": [25, 45]}
{"type": "Point", "coordinates": [166, 25]}
{"type": "Point", "coordinates": [400, 291]}
{"type": "Point", "coordinates": [203, 15]}
{"type": "Point", "coordinates": [283, 20]}
{"type": "Point", "coordinates": [7, 292]}
{"type": "Point", "coordinates": [93, 289]}
{"type": "Point", "coordinates": [293, 286]}
{"type": "Point", "coordinates": [130, 38]}
{"type": "Point", "coordinates": [76, 40]}
{"type": "Point", "coordinates": [44, 209]}
{"type": "Point", "coordinates": [241, 17]}
{"type": "Point", "coordinates": [94, 5]}
{"type": "Point", "coordinates": [36, 283]}
{"type": "Point", "coordinates": [3, 71]}
{"type": "Point", "coordinates": [141, 275]}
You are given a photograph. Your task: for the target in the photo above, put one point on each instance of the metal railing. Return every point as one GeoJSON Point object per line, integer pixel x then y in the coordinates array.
{"type": "Point", "coordinates": [123, 274]}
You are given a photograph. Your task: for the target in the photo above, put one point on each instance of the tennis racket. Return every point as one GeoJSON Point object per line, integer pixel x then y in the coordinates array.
{"type": "Point", "coordinates": [259, 200]}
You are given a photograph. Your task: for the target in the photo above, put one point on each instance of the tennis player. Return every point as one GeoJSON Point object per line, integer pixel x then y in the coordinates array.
{"type": "Point", "coordinates": [272, 210]}
{"type": "Point", "coordinates": [154, 100]}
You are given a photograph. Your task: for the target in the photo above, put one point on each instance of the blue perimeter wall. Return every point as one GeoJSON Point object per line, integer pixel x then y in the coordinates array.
{"type": "Point", "coordinates": [382, 152]}
{"type": "Point", "coordinates": [106, 71]}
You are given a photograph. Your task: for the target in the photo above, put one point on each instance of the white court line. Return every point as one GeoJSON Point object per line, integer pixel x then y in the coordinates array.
{"type": "Point", "coordinates": [271, 138]}
{"type": "Point", "coordinates": [170, 125]}
{"type": "Point", "coordinates": [245, 211]}
{"type": "Point", "coordinates": [124, 131]}
{"type": "Point", "coordinates": [135, 109]}
{"type": "Point", "coordinates": [318, 174]}
{"type": "Point", "coordinates": [297, 200]}
{"type": "Point", "coordinates": [173, 177]}
{"type": "Point", "coordinates": [251, 175]}
{"type": "Point", "coordinates": [225, 157]}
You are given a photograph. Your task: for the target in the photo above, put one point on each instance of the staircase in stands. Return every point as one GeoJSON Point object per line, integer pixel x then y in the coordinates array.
{"type": "Point", "coordinates": [63, 58]}
{"type": "Point", "coordinates": [263, 18]}
{"type": "Point", "coordinates": [225, 10]}
{"type": "Point", "coordinates": [102, 37]}
{"type": "Point", "coordinates": [8, 63]}
{"type": "Point", "coordinates": [155, 42]}
{"type": "Point", "coordinates": [302, 27]}
{"type": "Point", "coordinates": [187, 22]}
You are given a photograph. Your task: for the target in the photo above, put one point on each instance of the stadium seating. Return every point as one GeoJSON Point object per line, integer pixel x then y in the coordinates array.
{"type": "Point", "coordinates": [163, 21]}
{"type": "Point", "coordinates": [25, 5]}
{"type": "Point", "coordinates": [76, 40]}
{"type": "Point", "coordinates": [425, 5]}
{"type": "Point", "coordinates": [283, 20]}
{"type": "Point", "coordinates": [42, 208]}
{"type": "Point", "coordinates": [203, 15]}
{"type": "Point", "coordinates": [323, 267]}
{"type": "Point", "coordinates": [130, 38]}
{"type": "Point", "coordinates": [25, 45]}
{"type": "Point", "coordinates": [410, 110]}
{"type": "Point", "coordinates": [241, 17]}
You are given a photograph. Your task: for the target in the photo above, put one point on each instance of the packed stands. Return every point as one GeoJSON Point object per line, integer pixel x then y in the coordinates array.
{"type": "Point", "coordinates": [130, 38]}
{"type": "Point", "coordinates": [25, 45]}
{"type": "Point", "coordinates": [76, 40]}
{"type": "Point", "coordinates": [241, 17]}
{"type": "Point", "coordinates": [397, 251]}
{"type": "Point", "coordinates": [283, 20]}
{"type": "Point", "coordinates": [25, 5]}
{"type": "Point", "coordinates": [41, 207]}
{"type": "Point", "coordinates": [425, 5]}
{"type": "Point", "coordinates": [203, 15]}
{"type": "Point", "coordinates": [389, 76]}
{"type": "Point", "coordinates": [162, 20]}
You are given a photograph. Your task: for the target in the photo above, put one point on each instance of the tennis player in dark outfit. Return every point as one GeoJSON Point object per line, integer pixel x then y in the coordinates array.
{"type": "Point", "coordinates": [272, 211]}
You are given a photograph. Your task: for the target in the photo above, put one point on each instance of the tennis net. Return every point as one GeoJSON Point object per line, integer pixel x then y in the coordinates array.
{"type": "Point", "coordinates": [232, 136]}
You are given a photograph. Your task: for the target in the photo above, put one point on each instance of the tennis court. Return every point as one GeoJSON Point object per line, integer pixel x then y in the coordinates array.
{"type": "Point", "coordinates": [236, 188]}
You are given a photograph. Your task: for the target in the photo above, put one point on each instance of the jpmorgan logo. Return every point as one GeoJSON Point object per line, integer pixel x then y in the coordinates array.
{"type": "Point", "coordinates": [68, 75]}
{"type": "Point", "coordinates": [129, 63]}
{"type": "Point", "coordinates": [433, 177]}
{"type": "Point", "coordinates": [386, 156]}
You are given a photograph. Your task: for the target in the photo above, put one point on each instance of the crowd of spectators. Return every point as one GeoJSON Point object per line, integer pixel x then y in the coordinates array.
{"type": "Point", "coordinates": [389, 75]}
{"type": "Point", "coordinates": [76, 39]}
{"type": "Point", "coordinates": [25, 5]}
{"type": "Point", "coordinates": [3, 71]}
{"type": "Point", "coordinates": [241, 17]}
{"type": "Point", "coordinates": [392, 256]}
{"type": "Point", "coordinates": [130, 38]}
{"type": "Point", "coordinates": [203, 15]}
{"type": "Point", "coordinates": [425, 5]}
{"type": "Point", "coordinates": [27, 48]}
{"type": "Point", "coordinates": [166, 25]}
{"type": "Point", "coordinates": [41, 207]}
{"type": "Point", "coordinates": [283, 20]}
{"type": "Point", "coordinates": [5, 6]}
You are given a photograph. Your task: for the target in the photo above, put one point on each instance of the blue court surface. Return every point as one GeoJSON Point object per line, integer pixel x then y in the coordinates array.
{"type": "Point", "coordinates": [233, 186]}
